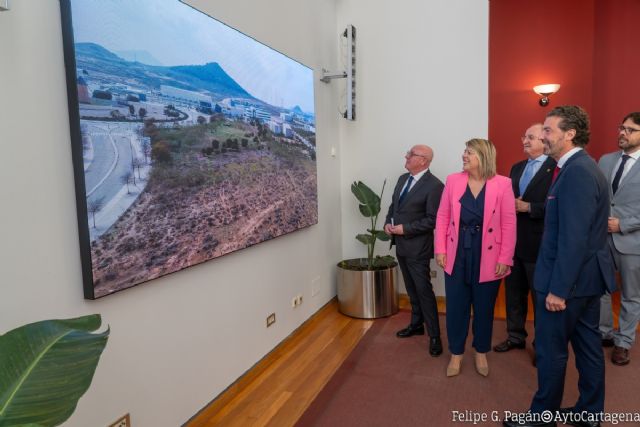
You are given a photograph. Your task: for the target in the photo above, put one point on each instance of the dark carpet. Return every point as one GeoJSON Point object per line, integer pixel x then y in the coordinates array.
{"type": "Point", "coordinates": [387, 381]}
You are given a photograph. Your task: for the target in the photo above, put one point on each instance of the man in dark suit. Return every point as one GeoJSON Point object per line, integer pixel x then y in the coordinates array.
{"type": "Point", "coordinates": [531, 180]}
{"type": "Point", "coordinates": [573, 270]}
{"type": "Point", "coordinates": [410, 222]}
{"type": "Point", "coordinates": [622, 168]}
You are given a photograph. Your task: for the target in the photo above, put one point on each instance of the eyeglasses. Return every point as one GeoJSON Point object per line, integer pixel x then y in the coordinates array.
{"type": "Point", "coordinates": [531, 138]}
{"type": "Point", "coordinates": [627, 130]}
{"type": "Point", "coordinates": [412, 154]}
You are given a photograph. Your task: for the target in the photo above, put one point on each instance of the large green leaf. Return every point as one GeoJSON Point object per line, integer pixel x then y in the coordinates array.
{"type": "Point", "coordinates": [45, 367]}
{"type": "Point", "coordinates": [369, 201]}
{"type": "Point", "coordinates": [367, 239]}
{"type": "Point", "coordinates": [381, 235]}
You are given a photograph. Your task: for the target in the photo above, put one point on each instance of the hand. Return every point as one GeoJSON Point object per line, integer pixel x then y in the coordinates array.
{"type": "Point", "coordinates": [398, 229]}
{"type": "Point", "coordinates": [501, 269]}
{"type": "Point", "coordinates": [441, 260]}
{"type": "Point", "coordinates": [613, 225]}
{"type": "Point", "coordinates": [388, 228]}
{"type": "Point", "coordinates": [522, 206]}
{"type": "Point", "coordinates": [554, 303]}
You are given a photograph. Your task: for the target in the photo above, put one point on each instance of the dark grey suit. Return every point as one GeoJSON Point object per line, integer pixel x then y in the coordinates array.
{"type": "Point", "coordinates": [414, 249]}
{"type": "Point", "coordinates": [625, 248]}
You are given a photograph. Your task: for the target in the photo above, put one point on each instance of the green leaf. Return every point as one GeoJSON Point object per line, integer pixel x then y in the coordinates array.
{"type": "Point", "coordinates": [367, 239]}
{"type": "Point", "coordinates": [381, 235]}
{"type": "Point", "coordinates": [369, 201]}
{"type": "Point", "coordinates": [45, 367]}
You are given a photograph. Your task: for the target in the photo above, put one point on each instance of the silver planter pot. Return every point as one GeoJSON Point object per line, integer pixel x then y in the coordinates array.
{"type": "Point", "coordinates": [368, 294]}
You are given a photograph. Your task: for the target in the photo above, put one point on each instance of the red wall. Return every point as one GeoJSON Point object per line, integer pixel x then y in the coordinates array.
{"type": "Point", "coordinates": [588, 46]}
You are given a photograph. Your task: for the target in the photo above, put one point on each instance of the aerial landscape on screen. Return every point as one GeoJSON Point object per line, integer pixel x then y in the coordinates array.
{"type": "Point", "coordinates": [197, 140]}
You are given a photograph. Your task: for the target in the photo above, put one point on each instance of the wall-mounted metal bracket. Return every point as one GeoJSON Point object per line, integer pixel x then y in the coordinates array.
{"type": "Point", "coordinates": [327, 75]}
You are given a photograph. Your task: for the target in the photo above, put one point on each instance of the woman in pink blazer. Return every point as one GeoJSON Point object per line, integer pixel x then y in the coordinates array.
{"type": "Point", "coordinates": [475, 238]}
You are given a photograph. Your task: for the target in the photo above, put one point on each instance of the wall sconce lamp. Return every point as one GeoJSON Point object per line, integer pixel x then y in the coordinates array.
{"type": "Point", "coordinates": [545, 91]}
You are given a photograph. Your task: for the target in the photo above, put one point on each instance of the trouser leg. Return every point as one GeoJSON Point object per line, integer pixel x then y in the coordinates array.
{"type": "Point", "coordinates": [409, 284]}
{"type": "Point", "coordinates": [516, 296]}
{"type": "Point", "coordinates": [484, 301]}
{"type": "Point", "coordinates": [552, 337]}
{"type": "Point", "coordinates": [587, 348]}
{"type": "Point", "coordinates": [629, 267]}
{"type": "Point", "coordinates": [458, 311]}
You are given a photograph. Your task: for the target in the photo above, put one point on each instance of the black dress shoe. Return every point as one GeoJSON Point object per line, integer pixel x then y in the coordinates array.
{"type": "Point", "coordinates": [435, 346]}
{"type": "Point", "coordinates": [410, 331]}
{"type": "Point", "coordinates": [507, 345]}
{"type": "Point", "coordinates": [607, 342]}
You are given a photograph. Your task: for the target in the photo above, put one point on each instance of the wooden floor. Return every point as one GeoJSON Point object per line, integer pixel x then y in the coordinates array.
{"type": "Point", "coordinates": [282, 385]}
{"type": "Point", "coordinates": [278, 390]}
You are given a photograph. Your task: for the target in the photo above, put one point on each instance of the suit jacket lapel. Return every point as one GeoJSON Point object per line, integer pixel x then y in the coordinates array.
{"type": "Point", "coordinates": [456, 194]}
{"type": "Point", "coordinates": [608, 171]}
{"type": "Point", "coordinates": [490, 196]}
{"type": "Point", "coordinates": [516, 178]}
{"type": "Point", "coordinates": [568, 162]}
{"type": "Point", "coordinates": [398, 191]}
{"type": "Point", "coordinates": [609, 167]}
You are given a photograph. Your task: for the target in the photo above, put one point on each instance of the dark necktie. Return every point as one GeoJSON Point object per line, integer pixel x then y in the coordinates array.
{"type": "Point", "coordinates": [556, 171]}
{"type": "Point", "coordinates": [406, 189]}
{"type": "Point", "coordinates": [616, 179]}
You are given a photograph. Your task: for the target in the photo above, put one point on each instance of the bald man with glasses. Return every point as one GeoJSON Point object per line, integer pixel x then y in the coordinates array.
{"type": "Point", "coordinates": [410, 223]}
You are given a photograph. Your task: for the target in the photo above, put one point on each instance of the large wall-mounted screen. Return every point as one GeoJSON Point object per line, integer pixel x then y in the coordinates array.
{"type": "Point", "coordinates": [190, 139]}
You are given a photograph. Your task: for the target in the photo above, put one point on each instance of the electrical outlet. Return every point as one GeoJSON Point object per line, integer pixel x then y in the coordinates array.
{"type": "Point", "coordinates": [294, 302]}
{"type": "Point", "coordinates": [299, 299]}
{"type": "Point", "coordinates": [315, 286]}
{"type": "Point", "coordinates": [123, 421]}
{"type": "Point", "coordinates": [271, 319]}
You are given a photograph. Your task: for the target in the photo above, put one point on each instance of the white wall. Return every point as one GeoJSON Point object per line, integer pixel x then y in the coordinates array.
{"type": "Point", "coordinates": [178, 341]}
{"type": "Point", "coordinates": [422, 78]}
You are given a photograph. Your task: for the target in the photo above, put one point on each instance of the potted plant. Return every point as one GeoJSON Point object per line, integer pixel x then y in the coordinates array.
{"type": "Point", "coordinates": [367, 287]}
{"type": "Point", "coordinates": [45, 367]}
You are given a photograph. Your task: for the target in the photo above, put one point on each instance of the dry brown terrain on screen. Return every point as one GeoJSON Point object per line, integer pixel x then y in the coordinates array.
{"type": "Point", "coordinates": [214, 188]}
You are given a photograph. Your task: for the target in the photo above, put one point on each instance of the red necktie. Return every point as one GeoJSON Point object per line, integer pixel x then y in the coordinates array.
{"type": "Point", "coordinates": [556, 171]}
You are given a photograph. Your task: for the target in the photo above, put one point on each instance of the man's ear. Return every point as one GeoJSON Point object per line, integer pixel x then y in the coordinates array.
{"type": "Point", "coordinates": [571, 134]}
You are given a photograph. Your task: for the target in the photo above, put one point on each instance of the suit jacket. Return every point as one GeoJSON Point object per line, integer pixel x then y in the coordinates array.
{"type": "Point", "coordinates": [531, 224]}
{"type": "Point", "coordinates": [574, 260]}
{"type": "Point", "coordinates": [498, 226]}
{"type": "Point", "coordinates": [417, 214]}
{"type": "Point", "coordinates": [625, 204]}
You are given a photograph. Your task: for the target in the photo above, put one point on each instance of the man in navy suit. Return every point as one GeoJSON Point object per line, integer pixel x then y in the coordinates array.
{"type": "Point", "coordinates": [531, 179]}
{"type": "Point", "coordinates": [574, 269]}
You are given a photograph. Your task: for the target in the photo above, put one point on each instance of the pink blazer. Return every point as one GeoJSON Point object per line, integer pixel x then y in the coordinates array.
{"type": "Point", "coordinates": [498, 227]}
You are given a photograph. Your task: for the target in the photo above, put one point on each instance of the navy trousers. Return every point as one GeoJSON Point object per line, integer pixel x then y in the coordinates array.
{"type": "Point", "coordinates": [461, 297]}
{"type": "Point", "coordinates": [578, 325]}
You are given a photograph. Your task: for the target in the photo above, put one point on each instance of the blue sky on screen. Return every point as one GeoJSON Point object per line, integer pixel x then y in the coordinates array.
{"type": "Point", "coordinates": [176, 34]}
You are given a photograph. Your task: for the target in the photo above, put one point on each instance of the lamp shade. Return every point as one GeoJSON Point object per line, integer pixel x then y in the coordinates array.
{"type": "Point", "coordinates": [546, 89]}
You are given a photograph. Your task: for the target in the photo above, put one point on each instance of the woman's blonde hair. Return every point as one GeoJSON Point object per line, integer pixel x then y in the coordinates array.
{"type": "Point", "coordinates": [486, 153]}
